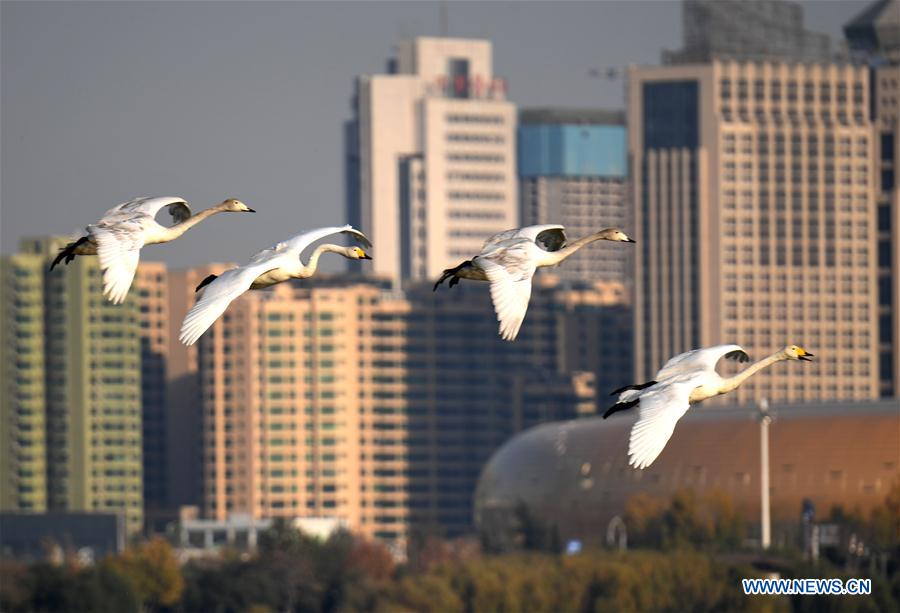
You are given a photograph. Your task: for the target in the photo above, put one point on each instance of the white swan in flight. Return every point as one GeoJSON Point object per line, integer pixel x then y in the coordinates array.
{"type": "Point", "coordinates": [268, 267]}
{"type": "Point", "coordinates": [119, 235]}
{"type": "Point", "coordinates": [686, 379]}
{"type": "Point", "coordinates": [508, 261]}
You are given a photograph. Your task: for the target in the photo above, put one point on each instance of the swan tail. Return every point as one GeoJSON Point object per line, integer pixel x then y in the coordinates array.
{"type": "Point", "coordinates": [68, 253]}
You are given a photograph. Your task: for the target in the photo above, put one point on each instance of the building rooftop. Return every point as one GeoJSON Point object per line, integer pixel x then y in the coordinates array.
{"type": "Point", "coordinates": [556, 115]}
{"type": "Point", "coordinates": [876, 29]}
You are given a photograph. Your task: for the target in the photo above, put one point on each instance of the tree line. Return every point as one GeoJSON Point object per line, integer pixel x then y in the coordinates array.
{"type": "Point", "coordinates": [687, 555]}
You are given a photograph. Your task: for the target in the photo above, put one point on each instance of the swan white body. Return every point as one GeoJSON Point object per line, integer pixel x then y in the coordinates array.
{"type": "Point", "coordinates": [508, 260]}
{"type": "Point", "coordinates": [119, 235]}
{"type": "Point", "coordinates": [268, 267]}
{"type": "Point", "coordinates": [686, 379]}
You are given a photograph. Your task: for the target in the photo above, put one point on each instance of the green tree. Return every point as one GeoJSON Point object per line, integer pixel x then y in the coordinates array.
{"type": "Point", "coordinates": [50, 588]}
{"type": "Point", "coordinates": [886, 521]}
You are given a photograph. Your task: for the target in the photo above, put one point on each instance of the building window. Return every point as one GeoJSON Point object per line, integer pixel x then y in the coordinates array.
{"type": "Point", "coordinates": [458, 73]}
{"type": "Point", "coordinates": [725, 87]}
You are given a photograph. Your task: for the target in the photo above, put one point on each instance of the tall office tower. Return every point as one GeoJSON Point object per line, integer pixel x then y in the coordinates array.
{"type": "Point", "coordinates": [573, 168]}
{"type": "Point", "coordinates": [341, 398]}
{"type": "Point", "coordinates": [150, 287]}
{"type": "Point", "coordinates": [430, 157]}
{"type": "Point", "coordinates": [874, 37]}
{"type": "Point", "coordinates": [755, 196]}
{"type": "Point", "coordinates": [23, 467]}
{"type": "Point", "coordinates": [184, 434]}
{"type": "Point", "coordinates": [596, 332]}
{"type": "Point", "coordinates": [746, 30]}
{"type": "Point", "coordinates": [93, 391]}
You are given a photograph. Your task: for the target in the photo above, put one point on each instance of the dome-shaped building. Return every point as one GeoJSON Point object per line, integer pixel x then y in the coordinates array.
{"type": "Point", "coordinates": [573, 477]}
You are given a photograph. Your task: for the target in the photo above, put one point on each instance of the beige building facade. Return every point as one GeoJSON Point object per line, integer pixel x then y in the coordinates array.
{"type": "Point", "coordinates": [887, 141]}
{"type": "Point", "coordinates": [431, 157]}
{"type": "Point", "coordinates": [755, 192]}
{"type": "Point", "coordinates": [342, 398]}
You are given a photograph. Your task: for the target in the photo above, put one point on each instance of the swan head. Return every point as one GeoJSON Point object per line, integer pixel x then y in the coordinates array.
{"type": "Point", "coordinates": [614, 234]}
{"type": "Point", "coordinates": [233, 205]}
{"type": "Point", "coordinates": [356, 253]}
{"type": "Point", "coordinates": [795, 352]}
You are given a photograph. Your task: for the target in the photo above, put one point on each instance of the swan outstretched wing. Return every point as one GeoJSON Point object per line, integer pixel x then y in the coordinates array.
{"type": "Point", "coordinates": [660, 409]}
{"type": "Point", "coordinates": [219, 294]}
{"type": "Point", "coordinates": [119, 251]}
{"type": "Point", "coordinates": [509, 268]}
{"type": "Point", "coordinates": [178, 207]}
{"type": "Point", "coordinates": [700, 360]}
{"type": "Point", "coordinates": [549, 237]}
{"type": "Point", "coordinates": [303, 240]}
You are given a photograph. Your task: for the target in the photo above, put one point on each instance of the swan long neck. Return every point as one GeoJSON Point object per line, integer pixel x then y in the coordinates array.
{"type": "Point", "coordinates": [555, 257]}
{"type": "Point", "coordinates": [733, 382]}
{"type": "Point", "coordinates": [312, 264]}
{"type": "Point", "coordinates": [178, 229]}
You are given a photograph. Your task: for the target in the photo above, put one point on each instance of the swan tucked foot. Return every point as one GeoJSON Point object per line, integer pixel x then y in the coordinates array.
{"type": "Point", "coordinates": [453, 274]}
{"type": "Point", "coordinates": [83, 246]}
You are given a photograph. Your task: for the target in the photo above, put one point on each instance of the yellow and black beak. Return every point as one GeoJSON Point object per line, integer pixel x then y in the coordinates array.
{"type": "Point", "coordinates": [630, 240]}
{"type": "Point", "coordinates": [249, 210]}
{"type": "Point", "coordinates": [803, 354]}
{"type": "Point", "coordinates": [365, 256]}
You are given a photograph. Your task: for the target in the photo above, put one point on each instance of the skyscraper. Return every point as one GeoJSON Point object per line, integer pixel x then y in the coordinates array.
{"type": "Point", "coordinates": [91, 376]}
{"type": "Point", "coordinates": [184, 433]}
{"type": "Point", "coordinates": [430, 157]}
{"type": "Point", "coordinates": [339, 397]}
{"type": "Point", "coordinates": [573, 168]}
{"type": "Point", "coordinates": [874, 38]}
{"type": "Point", "coordinates": [150, 287]}
{"type": "Point", "coordinates": [755, 196]}
{"type": "Point", "coordinates": [770, 30]}
{"type": "Point", "coordinates": [23, 436]}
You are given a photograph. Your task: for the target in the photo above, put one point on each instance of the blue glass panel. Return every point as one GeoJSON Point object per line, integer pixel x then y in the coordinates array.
{"type": "Point", "coordinates": [572, 150]}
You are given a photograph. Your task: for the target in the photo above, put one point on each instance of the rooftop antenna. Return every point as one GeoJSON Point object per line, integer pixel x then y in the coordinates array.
{"type": "Point", "coordinates": [442, 8]}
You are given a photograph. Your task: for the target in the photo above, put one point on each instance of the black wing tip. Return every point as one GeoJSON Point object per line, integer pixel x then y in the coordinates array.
{"type": "Point", "coordinates": [206, 282]}
{"type": "Point", "coordinates": [634, 386]}
{"type": "Point", "coordinates": [620, 406]}
{"type": "Point", "coordinates": [738, 354]}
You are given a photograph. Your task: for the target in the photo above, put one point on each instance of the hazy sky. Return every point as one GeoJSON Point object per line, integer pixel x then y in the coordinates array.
{"type": "Point", "coordinates": [103, 101]}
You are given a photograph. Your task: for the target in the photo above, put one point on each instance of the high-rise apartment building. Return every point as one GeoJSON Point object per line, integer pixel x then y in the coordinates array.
{"type": "Point", "coordinates": [184, 434]}
{"type": "Point", "coordinates": [150, 287]}
{"type": "Point", "coordinates": [756, 220]}
{"type": "Point", "coordinates": [573, 170]}
{"type": "Point", "coordinates": [768, 30]}
{"type": "Point", "coordinates": [90, 377]}
{"type": "Point", "coordinates": [874, 38]}
{"type": "Point", "coordinates": [341, 398]}
{"type": "Point", "coordinates": [430, 157]}
{"type": "Point", "coordinates": [23, 433]}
